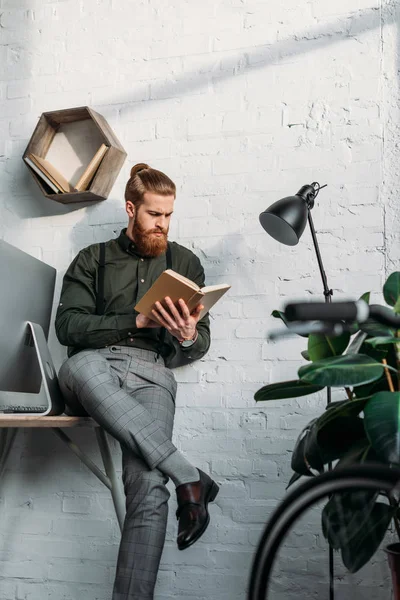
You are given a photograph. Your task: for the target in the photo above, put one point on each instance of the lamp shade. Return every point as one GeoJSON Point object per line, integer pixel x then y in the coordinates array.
{"type": "Point", "coordinates": [285, 220]}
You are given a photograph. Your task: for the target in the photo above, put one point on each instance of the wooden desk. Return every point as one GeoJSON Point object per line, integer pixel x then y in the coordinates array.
{"type": "Point", "coordinates": [9, 425]}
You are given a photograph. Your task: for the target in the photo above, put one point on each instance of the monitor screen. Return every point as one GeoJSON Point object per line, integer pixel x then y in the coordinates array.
{"type": "Point", "coordinates": [26, 294]}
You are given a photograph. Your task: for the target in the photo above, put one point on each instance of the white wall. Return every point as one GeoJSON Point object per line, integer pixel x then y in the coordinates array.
{"type": "Point", "coordinates": [241, 102]}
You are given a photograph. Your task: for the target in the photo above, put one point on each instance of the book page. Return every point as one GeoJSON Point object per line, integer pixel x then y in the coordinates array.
{"type": "Point", "coordinates": [52, 173]}
{"type": "Point", "coordinates": [213, 288]}
{"type": "Point", "coordinates": [43, 177]}
{"type": "Point", "coordinates": [211, 297]}
{"type": "Point", "coordinates": [185, 280]}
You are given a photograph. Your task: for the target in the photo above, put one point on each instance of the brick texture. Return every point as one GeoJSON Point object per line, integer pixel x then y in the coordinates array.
{"type": "Point", "coordinates": [241, 102]}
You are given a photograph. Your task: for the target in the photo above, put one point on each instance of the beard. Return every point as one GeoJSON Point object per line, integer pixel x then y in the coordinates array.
{"type": "Point", "coordinates": [147, 243]}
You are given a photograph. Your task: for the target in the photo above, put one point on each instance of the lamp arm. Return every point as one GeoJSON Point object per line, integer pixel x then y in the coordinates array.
{"type": "Point", "coordinates": [327, 292]}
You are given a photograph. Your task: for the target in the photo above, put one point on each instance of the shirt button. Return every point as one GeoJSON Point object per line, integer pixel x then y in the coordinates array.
{"type": "Point", "coordinates": [142, 281]}
{"type": "Point", "coordinates": [129, 332]}
{"type": "Point", "coordinates": [131, 339]}
{"type": "Point", "coordinates": [142, 259]}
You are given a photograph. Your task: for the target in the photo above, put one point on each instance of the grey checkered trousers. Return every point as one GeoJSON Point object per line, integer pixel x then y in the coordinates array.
{"type": "Point", "coordinates": [131, 394]}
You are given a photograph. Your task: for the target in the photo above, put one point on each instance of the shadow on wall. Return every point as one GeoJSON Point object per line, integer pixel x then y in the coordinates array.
{"type": "Point", "coordinates": [311, 40]}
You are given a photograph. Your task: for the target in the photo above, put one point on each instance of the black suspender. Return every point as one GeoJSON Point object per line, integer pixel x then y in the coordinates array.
{"type": "Point", "coordinates": [169, 256]}
{"type": "Point", "coordinates": [161, 338]}
{"type": "Point", "coordinates": [100, 288]}
{"type": "Point", "coordinates": [100, 280]}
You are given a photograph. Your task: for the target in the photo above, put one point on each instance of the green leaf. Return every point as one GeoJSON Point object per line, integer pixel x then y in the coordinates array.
{"type": "Point", "coordinates": [356, 524]}
{"type": "Point", "coordinates": [382, 425]}
{"type": "Point", "coordinates": [295, 477]}
{"type": "Point", "coordinates": [365, 297]}
{"type": "Point", "coordinates": [368, 390]}
{"type": "Point", "coordinates": [357, 453]}
{"type": "Point", "coordinates": [335, 436]}
{"type": "Point", "coordinates": [344, 514]}
{"type": "Point", "coordinates": [278, 314]}
{"type": "Point", "coordinates": [322, 346]}
{"type": "Point", "coordinates": [286, 389]}
{"type": "Point", "coordinates": [374, 328]}
{"type": "Point", "coordinates": [305, 355]}
{"type": "Point", "coordinates": [382, 341]}
{"type": "Point", "coordinates": [362, 546]}
{"type": "Point", "coordinates": [391, 290]}
{"type": "Point", "coordinates": [375, 353]}
{"type": "Point", "coordinates": [336, 403]}
{"type": "Point", "coordinates": [298, 462]}
{"type": "Point", "coordinates": [321, 442]}
{"type": "Point", "coordinates": [354, 327]}
{"type": "Point", "coordinates": [346, 370]}
{"type": "Point", "coordinates": [356, 343]}
{"type": "Point", "coordinates": [345, 408]}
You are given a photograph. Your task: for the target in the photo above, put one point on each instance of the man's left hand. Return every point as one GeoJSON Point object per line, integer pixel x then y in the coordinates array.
{"type": "Point", "coordinates": [180, 323]}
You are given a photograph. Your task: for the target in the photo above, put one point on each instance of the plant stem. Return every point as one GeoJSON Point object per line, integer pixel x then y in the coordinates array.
{"type": "Point", "coordinates": [349, 393]}
{"type": "Point", "coordinates": [388, 377]}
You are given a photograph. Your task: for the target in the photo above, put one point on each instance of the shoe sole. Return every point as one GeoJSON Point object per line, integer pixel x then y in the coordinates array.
{"type": "Point", "coordinates": [212, 494]}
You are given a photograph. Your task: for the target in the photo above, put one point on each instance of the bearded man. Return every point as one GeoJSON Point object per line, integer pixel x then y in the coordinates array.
{"type": "Point", "coordinates": [118, 373]}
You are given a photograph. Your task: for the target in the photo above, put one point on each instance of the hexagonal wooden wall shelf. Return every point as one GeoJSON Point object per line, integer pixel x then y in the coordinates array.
{"type": "Point", "coordinates": [68, 139]}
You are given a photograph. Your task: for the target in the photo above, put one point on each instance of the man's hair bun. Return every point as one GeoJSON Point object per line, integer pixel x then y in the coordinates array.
{"type": "Point", "coordinates": [137, 168]}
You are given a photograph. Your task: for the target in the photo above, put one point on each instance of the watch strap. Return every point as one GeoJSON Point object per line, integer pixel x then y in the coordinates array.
{"type": "Point", "coordinates": [192, 339]}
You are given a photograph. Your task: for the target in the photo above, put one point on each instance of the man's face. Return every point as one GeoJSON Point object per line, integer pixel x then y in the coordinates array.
{"type": "Point", "coordinates": [150, 223]}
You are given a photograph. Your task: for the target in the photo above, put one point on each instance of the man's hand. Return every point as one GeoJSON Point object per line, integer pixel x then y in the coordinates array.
{"type": "Point", "coordinates": [143, 322]}
{"type": "Point", "coordinates": [180, 323]}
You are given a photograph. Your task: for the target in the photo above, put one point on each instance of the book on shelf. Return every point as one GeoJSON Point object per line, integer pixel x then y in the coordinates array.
{"type": "Point", "coordinates": [88, 174]}
{"type": "Point", "coordinates": [176, 286]}
{"type": "Point", "coordinates": [49, 173]}
{"type": "Point", "coordinates": [39, 172]}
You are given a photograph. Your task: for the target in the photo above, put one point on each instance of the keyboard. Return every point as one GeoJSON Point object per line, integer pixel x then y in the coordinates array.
{"type": "Point", "coordinates": [23, 409]}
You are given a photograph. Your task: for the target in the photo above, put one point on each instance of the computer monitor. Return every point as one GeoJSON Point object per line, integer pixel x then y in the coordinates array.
{"type": "Point", "coordinates": [27, 374]}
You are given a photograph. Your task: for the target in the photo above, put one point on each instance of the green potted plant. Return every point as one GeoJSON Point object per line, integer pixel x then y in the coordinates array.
{"type": "Point", "coordinates": [362, 426]}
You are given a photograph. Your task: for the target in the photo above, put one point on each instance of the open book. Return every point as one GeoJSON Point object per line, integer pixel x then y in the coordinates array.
{"type": "Point", "coordinates": [177, 286]}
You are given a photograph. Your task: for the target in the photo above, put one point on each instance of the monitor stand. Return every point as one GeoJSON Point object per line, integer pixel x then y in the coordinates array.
{"type": "Point", "coordinates": [49, 389]}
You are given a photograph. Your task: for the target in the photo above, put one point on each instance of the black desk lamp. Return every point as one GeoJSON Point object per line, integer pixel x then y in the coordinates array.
{"type": "Point", "coordinates": [285, 221]}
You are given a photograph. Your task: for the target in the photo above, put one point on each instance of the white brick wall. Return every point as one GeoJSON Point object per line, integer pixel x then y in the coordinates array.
{"type": "Point", "coordinates": [241, 102]}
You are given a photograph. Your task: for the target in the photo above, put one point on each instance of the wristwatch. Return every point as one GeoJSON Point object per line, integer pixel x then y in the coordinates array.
{"type": "Point", "coordinates": [188, 343]}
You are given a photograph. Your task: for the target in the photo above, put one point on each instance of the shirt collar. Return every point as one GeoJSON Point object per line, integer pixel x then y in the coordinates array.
{"type": "Point", "coordinates": [126, 243]}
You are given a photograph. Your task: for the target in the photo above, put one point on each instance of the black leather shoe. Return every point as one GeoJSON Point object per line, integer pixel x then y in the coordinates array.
{"type": "Point", "coordinates": [193, 499]}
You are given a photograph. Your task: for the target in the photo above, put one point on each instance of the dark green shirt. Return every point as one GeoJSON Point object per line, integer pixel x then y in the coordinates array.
{"type": "Point", "coordinates": [128, 276]}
